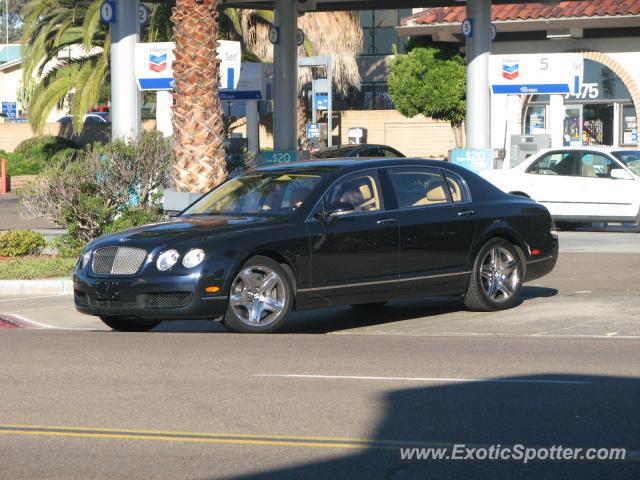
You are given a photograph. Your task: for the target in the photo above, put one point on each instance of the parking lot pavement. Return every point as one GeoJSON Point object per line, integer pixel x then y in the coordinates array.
{"type": "Point", "coordinates": [588, 294]}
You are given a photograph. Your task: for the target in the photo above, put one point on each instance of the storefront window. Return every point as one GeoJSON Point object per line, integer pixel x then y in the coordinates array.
{"type": "Point", "coordinates": [629, 125]}
{"type": "Point", "coordinates": [378, 30]}
{"type": "Point", "coordinates": [535, 120]}
{"type": "Point", "coordinates": [602, 113]}
{"type": "Point", "coordinates": [573, 126]}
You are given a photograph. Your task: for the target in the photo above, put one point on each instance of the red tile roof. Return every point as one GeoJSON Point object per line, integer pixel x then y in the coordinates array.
{"type": "Point", "coordinates": [531, 11]}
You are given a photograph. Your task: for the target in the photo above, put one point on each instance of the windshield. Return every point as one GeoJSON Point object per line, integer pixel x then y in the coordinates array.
{"type": "Point", "coordinates": [631, 158]}
{"type": "Point", "coordinates": [265, 192]}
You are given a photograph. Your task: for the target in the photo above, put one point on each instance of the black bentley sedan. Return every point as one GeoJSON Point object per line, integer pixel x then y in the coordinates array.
{"type": "Point", "coordinates": [318, 234]}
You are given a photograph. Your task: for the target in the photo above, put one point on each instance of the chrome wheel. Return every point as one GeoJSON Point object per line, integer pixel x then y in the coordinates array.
{"type": "Point", "coordinates": [499, 274]}
{"type": "Point", "coordinates": [258, 296]}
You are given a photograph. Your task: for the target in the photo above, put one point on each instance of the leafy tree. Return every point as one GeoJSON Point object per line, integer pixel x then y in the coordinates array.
{"type": "Point", "coordinates": [16, 20]}
{"type": "Point", "coordinates": [430, 81]}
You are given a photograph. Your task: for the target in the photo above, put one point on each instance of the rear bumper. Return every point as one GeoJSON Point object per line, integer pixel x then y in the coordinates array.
{"type": "Point", "coordinates": [540, 267]}
{"type": "Point", "coordinates": [168, 298]}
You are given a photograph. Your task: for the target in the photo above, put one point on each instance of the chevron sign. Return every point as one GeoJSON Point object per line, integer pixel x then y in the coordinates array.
{"type": "Point", "coordinates": [158, 59]}
{"type": "Point", "coordinates": [509, 70]}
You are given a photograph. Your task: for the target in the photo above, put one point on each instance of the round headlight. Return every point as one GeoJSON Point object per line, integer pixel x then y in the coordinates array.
{"type": "Point", "coordinates": [167, 259]}
{"type": "Point", "coordinates": [84, 259]}
{"type": "Point", "coordinates": [193, 258]}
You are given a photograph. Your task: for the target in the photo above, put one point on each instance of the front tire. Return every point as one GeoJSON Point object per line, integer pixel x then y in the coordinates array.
{"type": "Point", "coordinates": [122, 324]}
{"type": "Point", "coordinates": [496, 279]}
{"type": "Point", "coordinates": [260, 298]}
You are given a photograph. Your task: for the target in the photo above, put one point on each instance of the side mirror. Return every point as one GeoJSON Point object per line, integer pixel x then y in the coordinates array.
{"type": "Point", "coordinates": [339, 208]}
{"type": "Point", "coordinates": [620, 174]}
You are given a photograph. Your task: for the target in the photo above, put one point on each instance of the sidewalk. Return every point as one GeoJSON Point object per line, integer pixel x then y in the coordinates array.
{"type": "Point", "coordinates": [10, 218]}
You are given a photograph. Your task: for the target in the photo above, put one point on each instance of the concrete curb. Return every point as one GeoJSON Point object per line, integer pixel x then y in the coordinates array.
{"type": "Point", "coordinates": [55, 286]}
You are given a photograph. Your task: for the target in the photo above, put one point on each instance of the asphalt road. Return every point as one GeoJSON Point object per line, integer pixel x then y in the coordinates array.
{"type": "Point", "coordinates": [191, 401]}
{"type": "Point", "coordinates": [308, 406]}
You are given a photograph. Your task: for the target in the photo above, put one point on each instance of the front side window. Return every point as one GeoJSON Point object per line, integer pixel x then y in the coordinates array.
{"type": "Point", "coordinates": [369, 152]}
{"type": "Point", "coordinates": [417, 187]}
{"type": "Point", "coordinates": [356, 193]}
{"type": "Point", "coordinates": [555, 163]}
{"type": "Point", "coordinates": [631, 158]}
{"type": "Point", "coordinates": [268, 193]}
{"type": "Point", "coordinates": [596, 165]}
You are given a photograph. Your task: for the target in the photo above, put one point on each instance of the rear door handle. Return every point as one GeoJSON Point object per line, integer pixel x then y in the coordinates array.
{"type": "Point", "coordinates": [386, 221]}
{"type": "Point", "coordinates": [466, 213]}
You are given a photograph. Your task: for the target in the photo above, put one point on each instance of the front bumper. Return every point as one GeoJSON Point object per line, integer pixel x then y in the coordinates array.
{"type": "Point", "coordinates": [159, 297]}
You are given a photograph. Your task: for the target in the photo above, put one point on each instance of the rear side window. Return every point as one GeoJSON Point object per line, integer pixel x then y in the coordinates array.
{"type": "Point", "coordinates": [417, 187]}
{"type": "Point", "coordinates": [457, 188]}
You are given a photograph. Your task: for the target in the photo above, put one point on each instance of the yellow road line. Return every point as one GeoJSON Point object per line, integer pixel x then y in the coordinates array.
{"type": "Point", "coordinates": [193, 437]}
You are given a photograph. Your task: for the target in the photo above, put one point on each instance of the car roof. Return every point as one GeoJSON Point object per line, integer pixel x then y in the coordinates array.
{"type": "Point", "coordinates": [596, 148]}
{"type": "Point", "coordinates": [351, 163]}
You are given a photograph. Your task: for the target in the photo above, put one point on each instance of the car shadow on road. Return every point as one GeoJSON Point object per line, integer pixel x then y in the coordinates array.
{"type": "Point", "coordinates": [329, 320]}
{"type": "Point", "coordinates": [342, 318]}
{"type": "Point", "coordinates": [535, 411]}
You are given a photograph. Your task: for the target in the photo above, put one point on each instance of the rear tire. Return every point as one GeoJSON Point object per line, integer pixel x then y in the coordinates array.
{"type": "Point", "coordinates": [122, 324]}
{"type": "Point", "coordinates": [260, 298]}
{"type": "Point", "coordinates": [496, 278]}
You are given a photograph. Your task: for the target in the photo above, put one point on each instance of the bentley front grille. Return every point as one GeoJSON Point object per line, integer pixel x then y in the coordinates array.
{"type": "Point", "coordinates": [117, 260]}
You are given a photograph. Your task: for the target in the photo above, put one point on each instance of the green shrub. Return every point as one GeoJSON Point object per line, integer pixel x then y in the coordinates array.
{"type": "Point", "coordinates": [17, 164]}
{"type": "Point", "coordinates": [134, 217]}
{"type": "Point", "coordinates": [16, 243]}
{"type": "Point", "coordinates": [34, 154]}
{"type": "Point", "coordinates": [44, 146]}
{"type": "Point", "coordinates": [104, 189]}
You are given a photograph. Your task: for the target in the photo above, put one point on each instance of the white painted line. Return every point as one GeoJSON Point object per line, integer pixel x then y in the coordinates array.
{"type": "Point", "coordinates": [44, 325]}
{"type": "Point", "coordinates": [484, 335]}
{"type": "Point", "coordinates": [422, 379]}
{"type": "Point", "coordinates": [15, 299]}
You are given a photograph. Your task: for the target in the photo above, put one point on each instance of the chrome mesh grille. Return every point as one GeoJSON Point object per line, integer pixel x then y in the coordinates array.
{"type": "Point", "coordinates": [117, 260]}
{"type": "Point", "coordinates": [169, 300]}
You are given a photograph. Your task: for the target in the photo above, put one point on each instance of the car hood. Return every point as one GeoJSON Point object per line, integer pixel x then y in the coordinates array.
{"type": "Point", "coordinates": [181, 229]}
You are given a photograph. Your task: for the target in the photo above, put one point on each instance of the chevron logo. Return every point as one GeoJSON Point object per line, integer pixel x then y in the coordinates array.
{"type": "Point", "coordinates": [510, 70]}
{"type": "Point", "coordinates": [158, 60]}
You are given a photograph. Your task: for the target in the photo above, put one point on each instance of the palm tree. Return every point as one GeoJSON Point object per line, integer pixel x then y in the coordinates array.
{"type": "Point", "coordinates": [53, 29]}
{"type": "Point", "coordinates": [199, 154]}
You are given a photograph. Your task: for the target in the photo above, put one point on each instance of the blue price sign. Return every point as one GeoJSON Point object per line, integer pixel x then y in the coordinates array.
{"type": "Point", "coordinates": [10, 109]}
{"type": "Point", "coordinates": [321, 101]}
{"type": "Point", "coordinates": [282, 156]}
{"type": "Point", "coordinates": [313, 130]}
{"type": "Point", "coordinates": [474, 159]}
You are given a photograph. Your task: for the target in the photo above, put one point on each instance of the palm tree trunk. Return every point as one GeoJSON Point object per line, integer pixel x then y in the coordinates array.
{"type": "Point", "coordinates": [199, 154]}
{"type": "Point", "coordinates": [302, 123]}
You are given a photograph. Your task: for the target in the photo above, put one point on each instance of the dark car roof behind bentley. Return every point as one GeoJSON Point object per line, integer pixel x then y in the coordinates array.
{"type": "Point", "coordinates": [343, 163]}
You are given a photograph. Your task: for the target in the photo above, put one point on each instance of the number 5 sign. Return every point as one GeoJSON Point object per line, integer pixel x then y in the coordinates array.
{"type": "Point", "coordinates": [467, 27]}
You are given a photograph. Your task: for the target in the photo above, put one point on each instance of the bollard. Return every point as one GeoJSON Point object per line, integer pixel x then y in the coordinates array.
{"type": "Point", "coordinates": [4, 178]}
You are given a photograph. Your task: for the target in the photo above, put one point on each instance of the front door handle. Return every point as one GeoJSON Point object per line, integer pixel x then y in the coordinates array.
{"type": "Point", "coordinates": [386, 221]}
{"type": "Point", "coordinates": [466, 213]}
